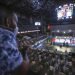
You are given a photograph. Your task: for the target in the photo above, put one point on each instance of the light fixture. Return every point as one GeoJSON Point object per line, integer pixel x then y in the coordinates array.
{"type": "Point", "coordinates": [58, 31]}
{"type": "Point", "coordinates": [71, 4]}
{"type": "Point", "coordinates": [60, 6]}
{"type": "Point", "coordinates": [37, 23]}
{"type": "Point", "coordinates": [70, 31]}
{"type": "Point", "coordinates": [64, 32]}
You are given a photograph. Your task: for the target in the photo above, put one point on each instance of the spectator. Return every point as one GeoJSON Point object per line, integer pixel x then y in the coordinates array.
{"type": "Point", "coordinates": [11, 61]}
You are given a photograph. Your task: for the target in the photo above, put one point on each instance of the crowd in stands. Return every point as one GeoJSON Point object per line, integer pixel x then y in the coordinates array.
{"type": "Point", "coordinates": [47, 63]}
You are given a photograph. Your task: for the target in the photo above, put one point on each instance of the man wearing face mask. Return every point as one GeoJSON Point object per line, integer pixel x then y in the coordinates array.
{"type": "Point", "coordinates": [11, 61]}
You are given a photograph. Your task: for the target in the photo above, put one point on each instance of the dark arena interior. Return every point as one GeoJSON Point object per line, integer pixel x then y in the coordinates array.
{"type": "Point", "coordinates": [45, 39]}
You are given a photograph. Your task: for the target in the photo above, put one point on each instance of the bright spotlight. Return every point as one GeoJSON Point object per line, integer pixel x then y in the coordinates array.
{"type": "Point", "coordinates": [70, 30]}
{"type": "Point", "coordinates": [71, 4]}
{"type": "Point", "coordinates": [64, 32]}
{"type": "Point", "coordinates": [37, 23]}
{"type": "Point", "coordinates": [58, 31]}
{"type": "Point", "coordinates": [60, 6]}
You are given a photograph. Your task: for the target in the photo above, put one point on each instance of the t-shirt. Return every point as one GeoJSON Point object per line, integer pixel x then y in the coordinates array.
{"type": "Point", "coordinates": [10, 57]}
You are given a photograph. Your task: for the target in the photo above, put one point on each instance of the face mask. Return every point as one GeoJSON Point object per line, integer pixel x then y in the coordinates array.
{"type": "Point", "coordinates": [16, 31]}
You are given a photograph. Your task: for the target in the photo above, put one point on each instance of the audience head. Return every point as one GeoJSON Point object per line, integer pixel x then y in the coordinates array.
{"type": "Point", "coordinates": [8, 20]}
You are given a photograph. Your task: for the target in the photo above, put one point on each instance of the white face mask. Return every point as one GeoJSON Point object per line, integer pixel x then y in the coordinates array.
{"type": "Point", "coordinates": [16, 31]}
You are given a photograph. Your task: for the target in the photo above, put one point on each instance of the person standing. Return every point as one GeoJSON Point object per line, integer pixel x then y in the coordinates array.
{"type": "Point", "coordinates": [11, 61]}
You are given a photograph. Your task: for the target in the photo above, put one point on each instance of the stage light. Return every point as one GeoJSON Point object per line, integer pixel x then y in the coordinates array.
{"type": "Point", "coordinates": [67, 17]}
{"type": "Point", "coordinates": [58, 31]}
{"type": "Point", "coordinates": [65, 5]}
{"type": "Point", "coordinates": [37, 23]}
{"type": "Point", "coordinates": [69, 13]}
{"type": "Point", "coordinates": [60, 6]}
{"type": "Point", "coordinates": [71, 4]}
{"type": "Point", "coordinates": [64, 32]}
{"type": "Point", "coordinates": [71, 17]}
{"type": "Point", "coordinates": [70, 31]}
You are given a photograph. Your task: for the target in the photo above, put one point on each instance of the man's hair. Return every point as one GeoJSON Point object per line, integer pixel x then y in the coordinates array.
{"type": "Point", "coordinates": [4, 15]}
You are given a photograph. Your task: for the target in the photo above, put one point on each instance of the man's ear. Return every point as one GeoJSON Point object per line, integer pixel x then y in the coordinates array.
{"type": "Point", "coordinates": [8, 22]}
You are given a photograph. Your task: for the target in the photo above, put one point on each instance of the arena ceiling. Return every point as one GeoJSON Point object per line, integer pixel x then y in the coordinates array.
{"type": "Point", "coordinates": [34, 7]}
